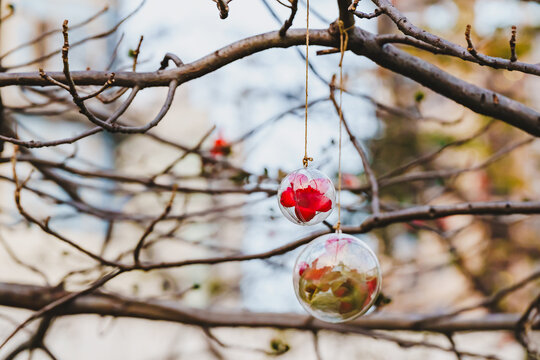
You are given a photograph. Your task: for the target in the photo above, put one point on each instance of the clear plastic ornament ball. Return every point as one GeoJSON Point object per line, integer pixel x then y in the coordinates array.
{"type": "Point", "coordinates": [337, 278]}
{"type": "Point", "coordinates": [306, 196]}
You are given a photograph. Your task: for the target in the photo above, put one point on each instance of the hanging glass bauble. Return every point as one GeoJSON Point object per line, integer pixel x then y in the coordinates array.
{"type": "Point", "coordinates": [337, 277]}
{"type": "Point", "coordinates": [306, 196]}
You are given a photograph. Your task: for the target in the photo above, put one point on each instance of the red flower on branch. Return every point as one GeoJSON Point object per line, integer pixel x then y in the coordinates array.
{"type": "Point", "coordinates": [351, 180]}
{"type": "Point", "coordinates": [221, 147]}
{"type": "Point", "coordinates": [306, 196]}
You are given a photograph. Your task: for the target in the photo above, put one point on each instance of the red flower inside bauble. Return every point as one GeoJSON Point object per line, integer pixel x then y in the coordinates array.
{"type": "Point", "coordinates": [306, 196]}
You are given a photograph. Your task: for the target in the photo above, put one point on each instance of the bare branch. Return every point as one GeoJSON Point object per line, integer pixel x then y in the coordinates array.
{"type": "Point", "coordinates": [513, 56]}
{"type": "Point", "coordinates": [373, 183]}
{"type": "Point", "coordinates": [363, 15]}
{"type": "Point", "coordinates": [344, 14]}
{"type": "Point", "coordinates": [288, 23]}
{"type": "Point", "coordinates": [525, 324]}
{"type": "Point", "coordinates": [361, 42]}
{"type": "Point", "coordinates": [35, 297]}
{"type": "Point", "coordinates": [51, 307]}
{"type": "Point", "coordinates": [150, 228]}
{"type": "Point", "coordinates": [223, 7]}
{"type": "Point", "coordinates": [168, 57]}
{"type": "Point", "coordinates": [449, 48]}
{"type": "Point", "coordinates": [55, 31]}
{"type": "Point", "coordinates": [77, 43]}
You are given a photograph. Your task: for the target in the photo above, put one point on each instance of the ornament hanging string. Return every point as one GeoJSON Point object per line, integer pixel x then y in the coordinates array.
{"type": "Point", "coordinates": [306, 159]}
{"type": "Point", "coordinates": [343, 42]}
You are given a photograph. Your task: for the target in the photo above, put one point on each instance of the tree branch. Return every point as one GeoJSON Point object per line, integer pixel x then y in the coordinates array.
{"type": "Point", "coordinates": [448, 47]}
{"type": "Point", "coordinates": [361, 42]}
{"type": "Point", "coordinates": [35, 297]}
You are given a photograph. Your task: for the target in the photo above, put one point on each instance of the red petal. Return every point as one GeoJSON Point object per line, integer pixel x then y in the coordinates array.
{"type": "Point", "coordinates": [325, 204]}
{"type": "Point", "coordinates": [312, 199]}
{"type": "Point", "coordinates": [220, 142]}
{"type": "Point", "coordinates": [299, 181]}
{"type": "Point", "coordinates": [307, 198]}
{"type": "Point", "coordinates": [321, 185]}
{"type": "Point", "coordinates": [316, 274]}
{"type": "Point", "coordinates": [287, 198]}
{"type": "Point", "coordinates": [372, 285]}
{"type": "Point", "coordinates": [302, 267]}
{"type": "Point", "coordinates": [304, 214]}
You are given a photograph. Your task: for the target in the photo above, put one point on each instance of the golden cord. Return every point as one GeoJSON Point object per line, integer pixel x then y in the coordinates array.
{"type": "Point", "coordinates": [343, 42]}
{"type": "Point", "coordinates": [306, 159]}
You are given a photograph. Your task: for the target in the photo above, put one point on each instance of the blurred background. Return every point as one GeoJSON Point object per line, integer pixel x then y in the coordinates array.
{"type": "Point", "coordinates": [254, 107]}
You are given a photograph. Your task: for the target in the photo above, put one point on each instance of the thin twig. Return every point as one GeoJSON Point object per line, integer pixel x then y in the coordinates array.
{"type": "Point", "coordinates": [513, 56]}
{"type": "Point", "coordinates": [150, 228]}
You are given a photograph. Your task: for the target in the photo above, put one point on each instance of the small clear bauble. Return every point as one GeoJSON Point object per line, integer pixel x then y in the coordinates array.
{"type": "Point", "coordinates": [337, 278]}
{"type": "Point", "coordinates": [306, 196]}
